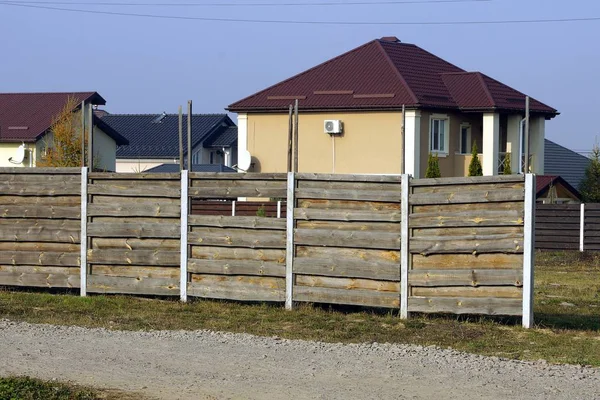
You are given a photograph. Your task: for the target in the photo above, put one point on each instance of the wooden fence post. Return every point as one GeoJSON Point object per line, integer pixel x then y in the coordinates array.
{"type": "Point", "coordinates": [289, 253]}
{"type": "Point", "coordinates": [528, 250]}
{"type": "Point", "coordinates": [582, 227]}
{"type": "Point", "coordinates": [83, 233]}
{"type": "Point", "coordinates": [183, 278]}
{"type": "Point", "coordinates": [404, 243]}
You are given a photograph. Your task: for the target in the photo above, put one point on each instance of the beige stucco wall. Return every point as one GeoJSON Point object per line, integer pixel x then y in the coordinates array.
{"type": "Point", "coordinates": [128, 165]}
{"type": "Point", "coordinates": [371, 143]}
{"type": "Point", "coordinates": [105, 151]}
{"type": "Point", "coordinates": [8, 150]}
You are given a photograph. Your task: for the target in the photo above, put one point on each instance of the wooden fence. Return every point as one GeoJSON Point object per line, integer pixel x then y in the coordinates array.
{"type": "Point", "coordinates": [461, 245]}
{"type": "Point", "coordinates": [567, 227]}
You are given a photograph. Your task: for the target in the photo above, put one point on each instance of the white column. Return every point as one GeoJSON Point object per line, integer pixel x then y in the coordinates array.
{"type": "Point", "coordinates": [537, 130]}
{"type": "Point", "coordinates": [242, 123]}
{"type": "Point", "coordinates": [183, 239]}
{"type": "Point", "coordinates": [513, 145]}
{"type": "Point", "coordinates": [528, 250]}
{"type": "Point", "coordinates": [412, 143]}
{"type": "Point", "coordinates": [491, 143]}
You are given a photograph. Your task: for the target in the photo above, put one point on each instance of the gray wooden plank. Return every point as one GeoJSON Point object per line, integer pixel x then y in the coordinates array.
{"type": "Point", "coordinates": [233, 192]}
{"type": "Point", "coordinates": [145, 176]}
{"type": "Point", "coordinates": [250, 238]}
{"type": "Point", "coordinates": [40, 189]}
{"type": "Point", "coordinates": [468, 180]}
{"type": "Point", "coordinates": [114, 189]}
{"type": "Point", "coordinates": [40, 279]}
{"type": "Point", "coordinates": [131, 230]}
{"type": "Point", "coordinates": [134, 210]}
{"type": "Point", "coordinates": [42, 258]}
{"type": "Point", "coordinates": [458, 197]}
{"type": "Point", "coordinates": [466, 277]}
{"type": "Point", "coordinates": [134, 257]}
{"type": "Point", "coordinates": [236, 267]}
{"type": "Point", "coordinates": [40, 211]}
{"type": "Point", "coordinates": [347, 215]}
{"type": "Point", "coordinates": [358, 297]}
{"type": "Point", "coordinates": [126, 285]}
{"type": "Point", "coordinates": [348, 178]}
{"type": "Point", "coordinates": [467, 219]}
{"type": "Point", "coordinates": [221, 221]}
{"type": "Point", "coordinates": [464, 305]}
{"type": "Point", "coordinates": [357, 239]}
{"type": "Point", "coordinates": [237, 176]}
{"type": "Point", "coordinates": [236, 293]}
{"type": "Point", "coordinates": [338, 194]}
{"type": "Point", "coordinates": [449, 245]}
{"type": "Point", "coordinates": [347, 268]}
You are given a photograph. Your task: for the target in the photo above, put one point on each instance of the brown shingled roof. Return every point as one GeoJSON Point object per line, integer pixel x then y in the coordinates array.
{"type": "Point", "coordinates": [26, 116]}
{"type": "Point", "coordinates": [386, 74]}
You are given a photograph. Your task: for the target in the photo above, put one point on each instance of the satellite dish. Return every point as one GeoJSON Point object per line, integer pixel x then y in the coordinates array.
{"type": "Point", "coordinates": [19, 155]}
{"type": "Point", "coordinates": [244, 160]}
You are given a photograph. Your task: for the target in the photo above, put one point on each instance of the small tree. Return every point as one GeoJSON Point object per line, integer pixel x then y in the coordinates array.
{"type": "Point", "coordinates": [590, 185]}
{"type": "Point", "coordinates": [433, 167]}
{"type": "Point", "coordinates": [63, 143]}
{"type": "Point", "coordinates": [475, 165]}
{"type": "Point", "coordinates": [507, 170]}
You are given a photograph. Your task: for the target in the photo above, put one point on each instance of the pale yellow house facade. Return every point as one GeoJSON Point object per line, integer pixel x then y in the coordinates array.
{"type": "Point", "coordinates": [447, 110]}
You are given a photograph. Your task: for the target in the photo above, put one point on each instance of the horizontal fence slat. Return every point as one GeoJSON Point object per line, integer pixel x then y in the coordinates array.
{"type": "Point", "coordinates": [39, 171]}
{"type": "Point", "coordinates": [371, 298]}
{"type": "Point", "coordinates": [135, 271]}
{"type": "Point", "coordinates": [40, 189]}
{"type": "Point", "coordinates": [463, 277]}
{"type": "Point", "coordinates": [133, 230]}
{"type": "Point", "coordinates": [511, 292]}
{"type": "Point", "coordinates": [237, 222]}
{"type": "Point", "coordinates": [250, 238]}
{"type": "Point", "coordinates": [138, 285]}
{"type": "Point", "coordinates": [134, 257]}
{"type": "Point", "coordinates": [144, 176]}
{"type": "Point", "coordinates": [240, 288]}
{"type": "Point", "coordinates": [40, 278]}
{"type": "Point", "coordinates": [40, 212]}
{"type": "Point", "coordinates": [465, 305]}
{"type": "Point", "coordinates": [42, 258]}
{"type": "Point", "coordinates": [462, 197]}
{"type": "Point", "coordinates": [41, 233]}
{"type": "Point", "coordinates": [252, 176]}
{"type": "Point", "coordinates": [467, 219]}
{"type": "Point", "coordinates": [347, 267]}
{"type": "Point", "coordinates": [236, 267]}
{"type": "Point", "coordinates": [467, 180]}
{"type": "Point", "coordinates": [218, 193]}
{"type": "Point", "coordinates": [357, 239]}
{"type": "Point", "coordinates": [348, 178]}
{"type": "Point", "coordinates": [134, 210]}
{"type": "Point", "coordinates": [347, 215]}
{"type": "Point", "coordinates": [115, 189]}
{"type": "Point", "coordinates": [491, 244]}
{"type": "Point", "coordinates": [337, 194]}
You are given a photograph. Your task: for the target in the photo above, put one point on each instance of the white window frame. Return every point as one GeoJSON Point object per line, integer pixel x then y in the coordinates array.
{"type": "Point", "coordinates": [197, 157]}
{"type": "Point", "coordinates": [446, 119]}
{"type": "Point", "coordinates": [469, 138]}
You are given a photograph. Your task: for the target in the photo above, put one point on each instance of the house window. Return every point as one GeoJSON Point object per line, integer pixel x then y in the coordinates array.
{"type": "Point", "coordinates": [438, 134]}
{"type": "Point", "coordinates": [196, 158]}
{"type": "Point", "coordinates": [465, 139]}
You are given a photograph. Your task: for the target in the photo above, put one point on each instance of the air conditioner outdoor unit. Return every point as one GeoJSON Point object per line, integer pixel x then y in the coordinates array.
{"type": "Point", "coordinates": [333, 126]}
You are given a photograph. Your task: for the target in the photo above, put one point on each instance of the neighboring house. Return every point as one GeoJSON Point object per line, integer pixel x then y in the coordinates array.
{"type": "Point", "coordinates": [567, 164]}
{"type": "Point", "coordinates": [555, 190]}
{"type": "Point", "coordinates": [447, 109]}
{"type": "Point", "coordinates": [154, 140]}
{"type": "Point", "coordinates": [26, 119]}
{"type": "Point", "coordinates": [195, 167]}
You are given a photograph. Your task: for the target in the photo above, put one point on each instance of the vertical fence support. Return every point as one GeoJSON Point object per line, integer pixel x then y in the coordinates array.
{"type": "Point", "coordinates": [279, 209]}
{"type": "Point", "coordinates": [289, 253]}
{"type": "Point", "coordinates": [83, 233]}
{"type": "Point", "coordinates": [528, 250]}
{"type": "Point", "coordinates": [183, 275]}
{"type": "Point", "coordinates": [233, 208]}
{"type": "Point", "coordinates": [404, 243]}
{"type": "Point", "coordinates": [582, 227]}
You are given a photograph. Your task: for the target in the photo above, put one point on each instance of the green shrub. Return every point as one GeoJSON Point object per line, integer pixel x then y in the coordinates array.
{"type": "Point", "coordinates": [475, 168]}
{"type": "Point", "coordinates": [433, 167]}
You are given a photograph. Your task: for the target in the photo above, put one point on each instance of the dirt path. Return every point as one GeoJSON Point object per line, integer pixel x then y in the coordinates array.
{"type": "Point", "coordinates": [196, 365]}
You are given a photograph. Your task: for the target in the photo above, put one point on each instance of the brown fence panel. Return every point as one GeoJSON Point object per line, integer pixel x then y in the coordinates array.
{"type": "Point", "coordinates": [239, 257]}
{"type": "Point", "coordinates": [133, 233]}
{"type": "Point", "coordinates": [557, 226]}
{"type": "Point", "coordinates": [347, 240]}
{"type": "Point", "coordinates": [466, 245]}
{"type": "Point", "coordinates": [40, 226]}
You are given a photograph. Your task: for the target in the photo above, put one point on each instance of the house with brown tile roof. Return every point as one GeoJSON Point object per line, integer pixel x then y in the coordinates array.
{"type": "Point", "coordinates": [26, 119]}
{"type": "Point", "coordinates": [363, 91]}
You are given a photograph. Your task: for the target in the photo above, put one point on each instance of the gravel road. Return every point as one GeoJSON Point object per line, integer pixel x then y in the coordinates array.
{"type": "Point", "coordinates": [212, 365]}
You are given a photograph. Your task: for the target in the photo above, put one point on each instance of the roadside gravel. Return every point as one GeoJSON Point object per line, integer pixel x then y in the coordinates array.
{"type": "Point", "coordinates": [213, 365]}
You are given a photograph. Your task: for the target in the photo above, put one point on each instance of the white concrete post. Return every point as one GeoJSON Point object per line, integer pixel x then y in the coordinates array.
{"type": "Point", "coordinates": [279, 209]}
{"type": "Point", "coordinates": [537, 132]}
{"type": "Point", "coordinates": [412, 143]}
{"type": "Point", "coordinates": [183, 275]}
{"type": "Point", "coordinates": [513, 143]}
{"type": "Point", "coordinates": [491, 143]}
{"type": "Point", "coordinates": [405, 259]}
{"type": "Point", "coordinates": [289, 253]}
{"type": "Point", "coordinates": [233, 208]}
{"type": "Point", "coordinates": [528, 250]}
{"type": "Point", "coordinates": [582, 227]}
{"type": "Point", "coordinates": [83, 235]}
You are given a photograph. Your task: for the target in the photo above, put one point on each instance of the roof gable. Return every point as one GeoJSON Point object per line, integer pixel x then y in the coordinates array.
{"type": "Point", "coordinates": [26, 116]}
{"type": "Point", "coordinates": [387, 74]}
{"type": "Point", "coordinates": [559, 160]}
{"type": "Point", "coordinates": [157, 135]}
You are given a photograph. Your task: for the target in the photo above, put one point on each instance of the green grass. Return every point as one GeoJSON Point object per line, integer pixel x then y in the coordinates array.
{"type": "Point", "coordinates": [564, 333]}
{"type": "Point", "coordinates": [24, 388]}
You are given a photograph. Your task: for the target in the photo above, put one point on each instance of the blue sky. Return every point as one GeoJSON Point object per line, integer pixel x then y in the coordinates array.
{"type": "Point", "coordinates": [144, 65]}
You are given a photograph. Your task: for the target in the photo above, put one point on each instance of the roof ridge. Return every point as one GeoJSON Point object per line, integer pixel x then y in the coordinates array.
{"type": "Point", "coordinates": [160, 113]}
{"type": "Point", "coordinates": [398, 73]}
{"type": "Point", "coordinates": [67, 92]}
{"type": "Point", "coordinates": [486, 89]}
{"type": "Point", "coordinates": [305, 72]}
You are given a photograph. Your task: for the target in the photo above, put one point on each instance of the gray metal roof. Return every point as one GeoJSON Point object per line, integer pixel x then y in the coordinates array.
{"type": "Point", "coordinates": [195, 168]}
{"type": "Point", "coordinates": [560, 161]}
{"type": "Point", "coordinates": [226, 138]}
